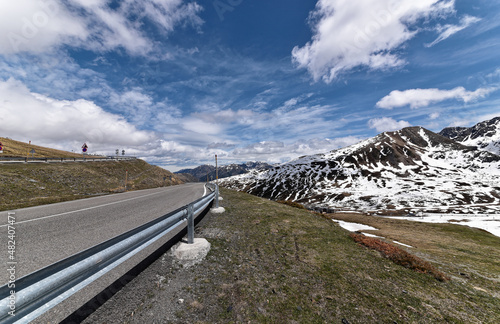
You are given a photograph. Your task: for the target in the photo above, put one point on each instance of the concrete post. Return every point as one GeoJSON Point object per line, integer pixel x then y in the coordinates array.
{"type": "Point", "coordinates": [190, 224]}
{"type": "Point", "coordinates": [216, 196]}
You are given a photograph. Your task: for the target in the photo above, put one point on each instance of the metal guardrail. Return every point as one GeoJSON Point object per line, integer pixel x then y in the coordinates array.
{"type": "Point", "coordinates": [42, 290]}
{"type": "Point", "coordinates": [49, 160]}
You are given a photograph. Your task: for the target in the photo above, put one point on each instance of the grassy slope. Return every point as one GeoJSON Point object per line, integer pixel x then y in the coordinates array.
{"type": "Point", "coordinates": [272, 263]}
{"type": "Point", "coordinates": [12, 148]}
{"type": "Point", "coordinates": [23, 185]}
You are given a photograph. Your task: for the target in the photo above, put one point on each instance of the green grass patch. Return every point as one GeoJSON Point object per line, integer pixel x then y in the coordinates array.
{"type": "Point", "coordinates": [271, 263]}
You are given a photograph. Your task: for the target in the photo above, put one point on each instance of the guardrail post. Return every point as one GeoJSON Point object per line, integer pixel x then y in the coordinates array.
{"type": "Point", "coordinates": [190, 224]}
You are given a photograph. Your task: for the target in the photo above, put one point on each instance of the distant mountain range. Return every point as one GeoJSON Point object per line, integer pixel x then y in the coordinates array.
{"type": "Point", "coordinates": [200, 173]}
{"type": "Point", "coordinates": [412, 168]}
{"type": "Point", "coordinates": [485, 135]}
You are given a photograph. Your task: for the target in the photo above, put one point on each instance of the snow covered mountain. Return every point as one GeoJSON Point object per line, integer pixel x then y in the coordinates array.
{"type": "Point", "coordinates": [410, 168]}
{"type": "Point", "coordinates": [484, 135]}
{"type": "Point", "coordinates": [200, 172]}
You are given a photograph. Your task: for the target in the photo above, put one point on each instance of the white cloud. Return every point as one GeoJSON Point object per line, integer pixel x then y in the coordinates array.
{"type": "Point", "coordinates": [141, 109]}
{"type": "Point", "coordinates": [494, 74]}
{"type": "Point", "coordinates": [287, 121]}
{"type": "Point", "coordinates": [35, 26]}
{"type": "Point", "coordinates": [449, 30]}
{"type": "Point", "coordinates": [40, 26]}
{"type": "Point", "coordinates": [387, 124]}
{"type": "Point", "coordinates": [417, 98]}
{"type": "Point", "coordinates": [200, 127]}
{"type": "Point", "coordinates": [66, 124]}
{"type": "Point", "coordinates": [349, 34]}
{"type": "Point", "coordinates": [277, 151]}
{"type": "Point", "coordinates": [434, 115]}
{"type": "Point", "coordinates": [27, 115]}
{"type": "Point", "coordinates": [473, 118]}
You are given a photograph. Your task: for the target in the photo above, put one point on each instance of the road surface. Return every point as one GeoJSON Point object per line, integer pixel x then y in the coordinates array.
{"type": "Point", "coordinates": [49, 233]}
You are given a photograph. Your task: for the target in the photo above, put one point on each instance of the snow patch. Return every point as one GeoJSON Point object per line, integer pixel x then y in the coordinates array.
{"type": "Point", "coordinates": [489, 223]}
{"type": "Point", "coordinates": [354, 227]}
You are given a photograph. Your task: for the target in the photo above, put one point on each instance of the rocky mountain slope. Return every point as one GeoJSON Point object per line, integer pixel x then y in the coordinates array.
{"type": "Point", "coordinates": [410, 168]}
{"type": "Point", "coordinates": [484, 135]}
{"type": "Point", "coordinates": [225, 171]}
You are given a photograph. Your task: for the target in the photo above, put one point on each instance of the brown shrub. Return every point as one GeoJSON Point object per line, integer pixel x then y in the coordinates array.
{"type": "Point", "coordinates": [399, 256]}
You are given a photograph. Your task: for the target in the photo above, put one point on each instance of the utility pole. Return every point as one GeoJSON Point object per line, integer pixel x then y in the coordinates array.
{"type": "Point", "coordinates": [216, 171]}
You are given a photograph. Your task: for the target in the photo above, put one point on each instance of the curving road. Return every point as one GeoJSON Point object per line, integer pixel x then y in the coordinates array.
{"type": "Point", "coordinates": [49, 233]}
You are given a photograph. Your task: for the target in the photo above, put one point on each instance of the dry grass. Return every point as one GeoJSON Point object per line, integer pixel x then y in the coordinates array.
{"type": "Point", "coordinates": [31, 184]}
{"type": "Point", "coordinates": [13, 148]}
{"type": "Point", "coordinates": [399, 256]}
{"type": "Point", "coordinates": [291, 204]}
{"type": "Point", "coordinates": [25, 185]}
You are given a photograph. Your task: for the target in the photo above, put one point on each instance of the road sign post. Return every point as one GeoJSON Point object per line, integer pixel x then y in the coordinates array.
{"type": "Point", "coordinates": [84, 150]}
{"type": "Point", "coordinates": [1, 147]}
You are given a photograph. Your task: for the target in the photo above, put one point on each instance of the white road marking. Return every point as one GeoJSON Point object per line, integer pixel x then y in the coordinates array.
{"type": "Point", "coordinates": [84, 209]}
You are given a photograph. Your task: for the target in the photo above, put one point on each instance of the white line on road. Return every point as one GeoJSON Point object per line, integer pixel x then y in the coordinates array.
{"type": "Point", "coordinates": [89, 208]}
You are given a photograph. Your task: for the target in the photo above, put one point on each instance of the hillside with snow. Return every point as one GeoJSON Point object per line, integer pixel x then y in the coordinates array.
{"type": "Point", "coordinates": [201, 172]}
{"type": "Point", "coordinates": [484, 135]}
{"type": "Point", "coordinates": [406, 169]}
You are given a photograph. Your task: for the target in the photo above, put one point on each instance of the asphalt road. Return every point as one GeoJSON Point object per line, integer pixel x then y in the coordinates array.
{"type": "Point", "coordinates": [49, 233]}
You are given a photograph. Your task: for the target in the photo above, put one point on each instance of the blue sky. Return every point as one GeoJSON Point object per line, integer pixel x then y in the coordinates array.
{"type": "Point", "coordinates": [175, 82]}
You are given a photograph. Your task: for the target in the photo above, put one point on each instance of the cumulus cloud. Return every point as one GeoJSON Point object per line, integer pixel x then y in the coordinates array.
{"type": "Point", "coordinates": [27, 115]}
{"type": "Point", "coordinates": [449, 30]}
{"type": "Point", "coordinates": [387, 124]}
{"type": "Point", "coordinates": [39, 26]}
{"type": "Point", "coordinates": [35, 26]}
{"type": "Point", "coordinates": [417, 98]}
{"type": "Point", "coordinates": [349, 34]}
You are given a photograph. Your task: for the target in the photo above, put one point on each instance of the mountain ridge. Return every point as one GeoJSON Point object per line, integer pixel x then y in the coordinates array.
{"type": "Point", "coordinates": [203, 171]}
{"type": "Point", "coordinates": [409, 168]}
{"type": "Point", "coordinates": [485, 135]}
